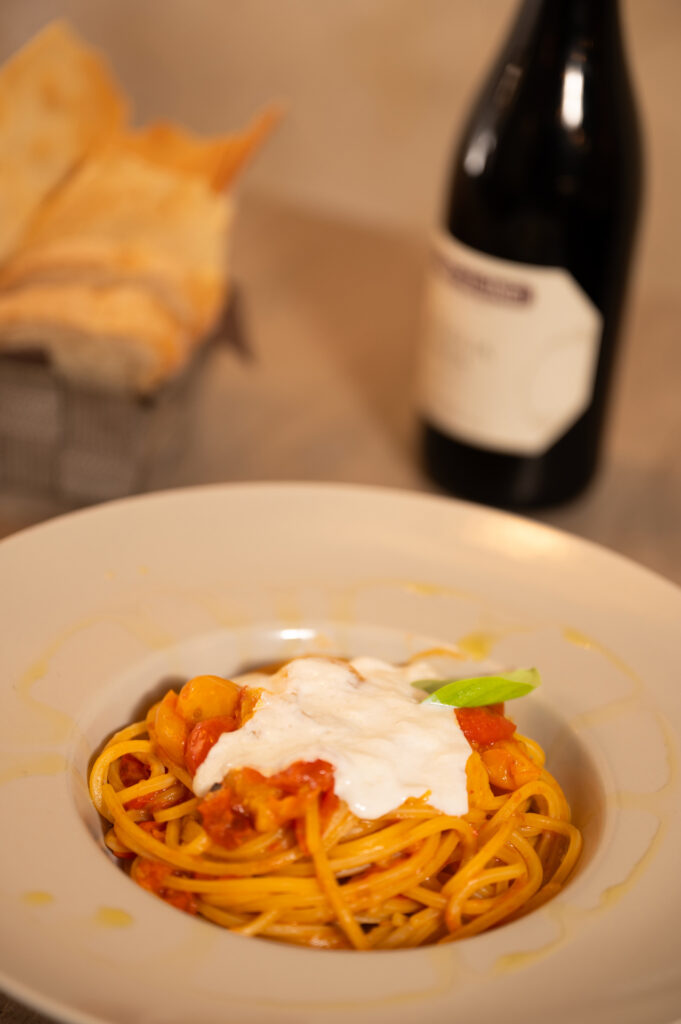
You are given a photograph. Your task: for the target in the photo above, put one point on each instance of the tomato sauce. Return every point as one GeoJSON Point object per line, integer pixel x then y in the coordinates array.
{"type": "Point", "coordinates": [250, 803]}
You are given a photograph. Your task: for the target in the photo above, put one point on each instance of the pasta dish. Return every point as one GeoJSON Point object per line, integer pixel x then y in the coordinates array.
{"type": "Point", "coordinates": [330, 803]}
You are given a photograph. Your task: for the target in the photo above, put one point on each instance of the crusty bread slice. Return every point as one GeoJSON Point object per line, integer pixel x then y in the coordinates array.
{"type": "Point", "coordinates": [121, 220]}
{"type": "Point", "coordinates": [118, 338]}
{"type": "Point", "coordinates": [58, 102]}
{"type": "Point", "coordinates": [217, 159]}
{"type": "Point", "coordinates": [114, 250]}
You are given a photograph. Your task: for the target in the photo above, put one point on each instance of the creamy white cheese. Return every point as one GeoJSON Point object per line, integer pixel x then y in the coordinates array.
{"type": "Point", "coordinates": [365, 719]}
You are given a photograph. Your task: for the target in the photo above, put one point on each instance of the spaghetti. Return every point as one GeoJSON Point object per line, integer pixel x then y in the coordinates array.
{"type": "Point", "coordinates": [280, 855]}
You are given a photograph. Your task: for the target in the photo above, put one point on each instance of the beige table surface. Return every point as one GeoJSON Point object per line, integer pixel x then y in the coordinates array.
{"type": "Point", "coordinates": [330, 312]}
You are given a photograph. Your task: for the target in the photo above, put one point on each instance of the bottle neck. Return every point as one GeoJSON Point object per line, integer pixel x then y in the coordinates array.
{"type": "Point", "coordinates": [571, 46]}
{"type": "Point", "coordinates": [591, 24]}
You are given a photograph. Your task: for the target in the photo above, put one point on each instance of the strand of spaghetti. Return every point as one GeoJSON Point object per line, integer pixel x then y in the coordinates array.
{"type": "Point", "coordinates": [537, 824]}
{"type": "Point", "coordinates": [114, 776]}
{"type": "Point", "coordinates": [429, 897]}
{"type": "Point", "coordinates": [361, 828]}
{"type": "Point", "coordinates": [521, 890]}
{"type": "Point", "coordinates": [443, 856]}
{"type": "Point", "coordinates": [260, 922]}
{"type": "Point", "coordinates": [195, 846]}
{"type": "Point", "coordinates": [315, 914]}
{"type": "Point", "coordinates": [561, 808]}
{"type": "Point", "coordinates": [246, 890]}
{"type": "Point", "coordinates": [362, 893]}
{"type": "Point", "coordinates": [293, 908]}
{"type": "Point", "coordinates": [317, 908]}
{"type": "Point", "coordinates": [367, 848]}
{"type": "Point", "coordinates": [570, 857]}
{"type": "Point", "coordinates": [548, 887]}
{"type": "Point", "coordinates": [460, 902]}
{"type": "Point", "coordinates": [394, 905]}
{"type": "Point", "coordinates": [408, 810]}
{"type": "Point", "coordinates": [327, 878]}
{"type": "Point", "coordinates": [494, 885]}
{"type": "Point", "coordinates": [338, 826]}
{"type": "Point", "coordinates": [137, 815]}
{"type": "Point", "coordinates": [176, 769]}
{"type": "Point", "coordinates": [300, 906]}
{"type": "Point", "coordinates": [167, 798]}
{"type": "Point", "coordinates": [388, 842]}
{"type": "Point", "coordinates": [479, 861]}
{"type": "Point", "coordinates": [393, 839]}
{"type": "Point", "coordinates": [380, 932]}
{"type": "Point", "coordinates": [154, 784]}
{"type": "Point", "coordinates": [517, 896]}
{"type": "Point", "coordinates": [98, 774]}
{"type": "Point", "coordinates": [534, 751]}
{"type": "Point", "coordinates": [535, 790]}
{"type": "Point", "coordinates": [112, 842]}
{"type": "Point", "coordinates": [413, 931]}
{"type": "Point", "coordinates": [129, 732]}
{"type": "Point", "coordinates": [488, 889]}
{"type": "Point", "coordinates": [558, 863]}
{"type": "Point", "coordinates": [357, 894]}
{"type": "Point", "coordinates": [340, 832]}
{"type": "Point", "coordinates": [546, 893]}
{"type": "Point", "coordinates": [318, 936]}
{"type": "Point", "coordinates": [178, 811]}
{"type": "Point", "coordinates": [480, 793]}
{"type": "Point", "coordinates": [440, 823]}
{"type": "Point", "coordinates": [428, 929]}
{"type": "Point", "coordinates": [548, 848]}
{"type": "Point", "coordinates": [566, 865]}
{"type": "Point", "coordinates": [299, 895]}
{"type": "Point", "coordinates": [251, 849]}
{"type": "Point", "coordinates": [190, 829]}
{"type": "Point", "coordinates": [173, 831]}
{"type": "Point", "coordinates": [225, 918]}
{"type": "Point", "coordinates": [301, 917]}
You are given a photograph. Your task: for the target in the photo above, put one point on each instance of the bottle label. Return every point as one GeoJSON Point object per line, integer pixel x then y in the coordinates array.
{"type": "Point", "coordinates": [509, 350]}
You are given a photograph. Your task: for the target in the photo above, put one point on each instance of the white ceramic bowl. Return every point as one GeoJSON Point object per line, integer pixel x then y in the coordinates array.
{"type": "Point", "coordinates": [102, 606]}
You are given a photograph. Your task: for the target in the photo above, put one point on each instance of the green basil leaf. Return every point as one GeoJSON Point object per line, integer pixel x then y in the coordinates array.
{"type": "Point", "coordinates": [480, 690]}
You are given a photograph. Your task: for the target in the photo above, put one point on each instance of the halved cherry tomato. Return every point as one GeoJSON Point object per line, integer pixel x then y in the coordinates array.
{"type": "Point", "coordinates": [202, 737]}
{"type": "Point", "coordinates": [170, 728]}
{"type": "Point", "coordinates": [485, 725]}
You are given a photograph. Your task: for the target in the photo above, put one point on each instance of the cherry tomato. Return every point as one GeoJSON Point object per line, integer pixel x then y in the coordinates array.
{"type": "Point", "coordinates": [202, 737]}
{"type": "Point", "coordinates": [206, 697]}
{"type": "Point", "coordinates": [482, 726]}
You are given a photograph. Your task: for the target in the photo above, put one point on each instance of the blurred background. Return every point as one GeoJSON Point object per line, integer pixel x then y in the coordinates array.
{"type": "Point", "coordinates": [377, 89]}
{"type": "Point", "coordinates": [333, 220]}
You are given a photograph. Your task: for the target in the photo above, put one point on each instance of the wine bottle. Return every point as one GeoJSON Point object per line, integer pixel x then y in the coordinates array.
{"type": "Point", "coordinates": [527, 280]}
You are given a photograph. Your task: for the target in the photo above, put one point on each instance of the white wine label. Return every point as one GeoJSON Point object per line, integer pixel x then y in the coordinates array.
{"type": "Point", "coordinates": [509, 350]}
